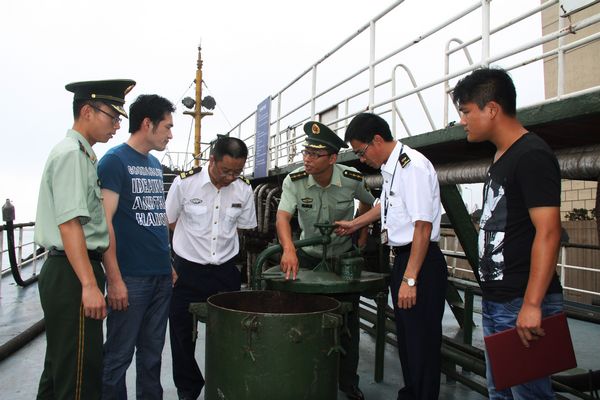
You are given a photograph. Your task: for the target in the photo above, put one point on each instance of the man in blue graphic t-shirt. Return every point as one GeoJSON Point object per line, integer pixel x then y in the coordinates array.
{"type": "Point", "coordinates": [138, 265]}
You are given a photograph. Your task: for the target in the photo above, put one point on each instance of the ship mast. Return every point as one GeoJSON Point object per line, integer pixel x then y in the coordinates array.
{"type": "Point", "coordinates": [197, 111]}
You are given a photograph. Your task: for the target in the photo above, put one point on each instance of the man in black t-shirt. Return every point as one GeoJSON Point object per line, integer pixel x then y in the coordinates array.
{"type": "Point", "coordinates": [520, 225]}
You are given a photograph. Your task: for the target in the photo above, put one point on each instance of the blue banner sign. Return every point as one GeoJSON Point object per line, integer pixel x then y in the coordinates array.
{"type": "Point", "coordinates": [261, 147]}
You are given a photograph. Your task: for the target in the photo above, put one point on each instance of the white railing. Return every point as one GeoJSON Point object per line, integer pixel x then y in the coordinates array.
{"type": "Point", "coordinates": [343, 95]}
{"type": "Point", "coordinates": [23, 243]}
{"type": "Point", "coordinates": [450, 245]}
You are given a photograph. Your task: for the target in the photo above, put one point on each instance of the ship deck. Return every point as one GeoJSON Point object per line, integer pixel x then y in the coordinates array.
{"type": "Point", "coordinates": [19, 372]}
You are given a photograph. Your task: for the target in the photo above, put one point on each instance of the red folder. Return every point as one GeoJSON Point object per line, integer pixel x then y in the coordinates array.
{"type": "Point", "coordinates": [514, 364]}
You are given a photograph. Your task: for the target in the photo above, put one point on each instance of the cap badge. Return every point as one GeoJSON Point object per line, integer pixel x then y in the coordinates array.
{"type": "Point", "coordinates": [129, 88]}
{"type": "Point", "coordinates": [315, 129]}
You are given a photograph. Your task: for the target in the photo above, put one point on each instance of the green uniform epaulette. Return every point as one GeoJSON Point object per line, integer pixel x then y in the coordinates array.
{"type": "Point", "coordinates": [298, 175]}
{"type": "Point", "coordinates": [189, 173]}
{"type": "Point", "coordinates": [244, 179]}
{"type": "Point", "coordinates": [357, 176]}
{"type": "Point", "coordinates": [88, 155]}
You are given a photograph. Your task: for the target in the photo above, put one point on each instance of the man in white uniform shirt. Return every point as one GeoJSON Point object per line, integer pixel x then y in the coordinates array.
{"type": "Point", "coordinates": [410, 213]}
{"type": "Point", "coordinates": [205, 208]}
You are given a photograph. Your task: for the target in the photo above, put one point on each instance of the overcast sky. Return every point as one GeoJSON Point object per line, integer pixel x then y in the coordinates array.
{"type": "Point", "coordinates": [250, 50]}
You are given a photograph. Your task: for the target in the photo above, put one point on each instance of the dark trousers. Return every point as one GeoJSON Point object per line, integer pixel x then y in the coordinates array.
{"type": "Point", "coordinates": [195, 284]}
{"type": "Point", "coordinates": [349, 339]}
{"type": "Point", "coordinates": [73, 363]}
{"type": "Point", "coordinates": [419, 329]}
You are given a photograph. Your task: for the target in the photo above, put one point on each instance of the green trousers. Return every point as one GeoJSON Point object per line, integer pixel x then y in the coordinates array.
{"type": "Point", "coordinates": [73, 363]}
{"type": "Point", "coordinates": [348, 362]}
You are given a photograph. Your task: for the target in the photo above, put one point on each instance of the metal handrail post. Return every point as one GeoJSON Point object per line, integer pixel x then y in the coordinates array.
{"type": "Point", "coordinates": [447, 89]}
{"type": "Point", "coordinates": [560, 68]}
{"type": "Point", "coordinates": [20, 247]}
{"type": "Point", "coordinates": [372, 65]}
{"type": "Point", "coordinates": [485, 33]}
{"type": "Point", "coordinates": [563, 263]}
{"type": "Point", "coordinates": [313, 92]}
{"type": "Point", "coordinates": [468, 317]}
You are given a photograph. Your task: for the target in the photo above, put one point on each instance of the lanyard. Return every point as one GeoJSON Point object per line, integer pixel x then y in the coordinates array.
{"type": "Point", "coordinates": [386, 202]}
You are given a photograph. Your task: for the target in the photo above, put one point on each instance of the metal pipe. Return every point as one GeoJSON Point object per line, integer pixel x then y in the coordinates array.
{"type": "Point", "coordinates": [270, 195]}
{"type": "Point", "coordinates": [259, 204]}
{"type": "Point", "coordinates": [12, 258]}
{"type": "Point", "coordinates": [17, 342]}
{"type": "Point", "coordinates": [268, 252]}
{"type": "Point", "coordinates": [256, 202]}
{"type": "Point", "coordinates": [582, 163]}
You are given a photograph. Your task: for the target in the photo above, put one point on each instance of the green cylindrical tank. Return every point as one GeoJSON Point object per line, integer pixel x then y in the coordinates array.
{"type": "Point", "coordinates": [263, 345]}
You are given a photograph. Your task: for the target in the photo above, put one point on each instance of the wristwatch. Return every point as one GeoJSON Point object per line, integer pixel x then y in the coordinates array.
{"type": "Point", "coordinates": [409, 281]}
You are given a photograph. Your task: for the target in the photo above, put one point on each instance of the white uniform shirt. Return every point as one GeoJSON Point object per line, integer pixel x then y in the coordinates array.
{"type": "Point", "coordinates": [410, 194]}
{"type": "Point", "coordinates": [208, 218]}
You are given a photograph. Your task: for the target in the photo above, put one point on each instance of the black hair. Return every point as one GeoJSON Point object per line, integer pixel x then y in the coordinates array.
{"type": "Point", "coordinates": [228, 146]}
{"type": "Point", "coordinates": [365, 126]}
{"type": "Point", "coordinates": [78, 105]}
{"type": "Point", "coordinates": [485, 85]}
{"type": "Point", "coordinates": [150, 106]}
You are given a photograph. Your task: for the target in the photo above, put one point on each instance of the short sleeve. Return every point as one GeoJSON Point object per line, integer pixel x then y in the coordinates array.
{"type": "Point", "coordinates": [69, 180]}
{"type": "Point", "coordinates": [288, 196]}
{"type": "Point", "coordinates": [111, 173]}
{"type": "Point", "coordinates": [247, 219]}
{"type": "Point", "coordinates": [418, 192]}
{"type": "Point", "coordinates": [538, 177]}
{"type": "Point", "coordinates": [173, 201]}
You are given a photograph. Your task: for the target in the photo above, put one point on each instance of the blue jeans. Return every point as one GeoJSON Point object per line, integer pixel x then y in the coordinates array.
{"type": "Point", "coordinates": [142, 327]}
{"type": "Point", "coordinates": [498, 317]}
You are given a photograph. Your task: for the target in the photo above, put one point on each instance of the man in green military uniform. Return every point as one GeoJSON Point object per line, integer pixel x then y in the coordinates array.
{"type": "Point", "coordinates": [322, 192]}
{"type": "Point", "coordinates": [71, 225]}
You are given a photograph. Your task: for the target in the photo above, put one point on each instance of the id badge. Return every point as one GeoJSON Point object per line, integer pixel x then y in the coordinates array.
{"type": "Point", "coordinates": [384, 236]}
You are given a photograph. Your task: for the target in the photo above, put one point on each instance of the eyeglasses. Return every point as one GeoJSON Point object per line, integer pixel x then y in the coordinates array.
{"type": "Point", "coordinates": [361, 153]}
{"type": "Point", "coordinates": [233, 174]}
{"type": "Point", "coordinates": [115, 118]}
{"type": "Point", "coordinates": [312, 154]}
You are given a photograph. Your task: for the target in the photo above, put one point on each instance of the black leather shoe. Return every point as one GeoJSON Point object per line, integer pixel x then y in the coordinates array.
{"type": "Point", "coordinates": [354, 393]}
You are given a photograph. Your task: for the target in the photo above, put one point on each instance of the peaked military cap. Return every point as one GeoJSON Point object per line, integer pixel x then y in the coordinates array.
{"type": "Point", "coordinates": [319, 136]}
{"type": "Point", "coordinates": [111, 92]}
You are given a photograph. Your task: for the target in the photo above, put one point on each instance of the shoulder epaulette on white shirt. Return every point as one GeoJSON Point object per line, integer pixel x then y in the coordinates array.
{"type": "Point", "coordinates": [189, 173]}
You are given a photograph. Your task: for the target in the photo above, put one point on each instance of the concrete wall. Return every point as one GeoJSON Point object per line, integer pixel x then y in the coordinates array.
{"type": "Point", "coordinates": [577, 194]}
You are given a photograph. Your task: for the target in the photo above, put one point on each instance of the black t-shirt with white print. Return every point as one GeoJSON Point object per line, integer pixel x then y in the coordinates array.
{"type": "Point", "coordinates": [527, 175]}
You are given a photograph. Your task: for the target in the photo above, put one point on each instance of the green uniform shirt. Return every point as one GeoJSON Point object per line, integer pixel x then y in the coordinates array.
{"type": "Point", "coordinates": [70, 189]}
{"type": "Point", "coordinates": [324, 204]}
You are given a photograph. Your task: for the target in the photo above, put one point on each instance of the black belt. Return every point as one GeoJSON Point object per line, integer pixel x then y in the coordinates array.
{"type": "Point", "coordinates": [406, 248]}
{"type": "Point", "coordinates": [92, 254]}
{"type": "Point", "coordinates": [400, 249]}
